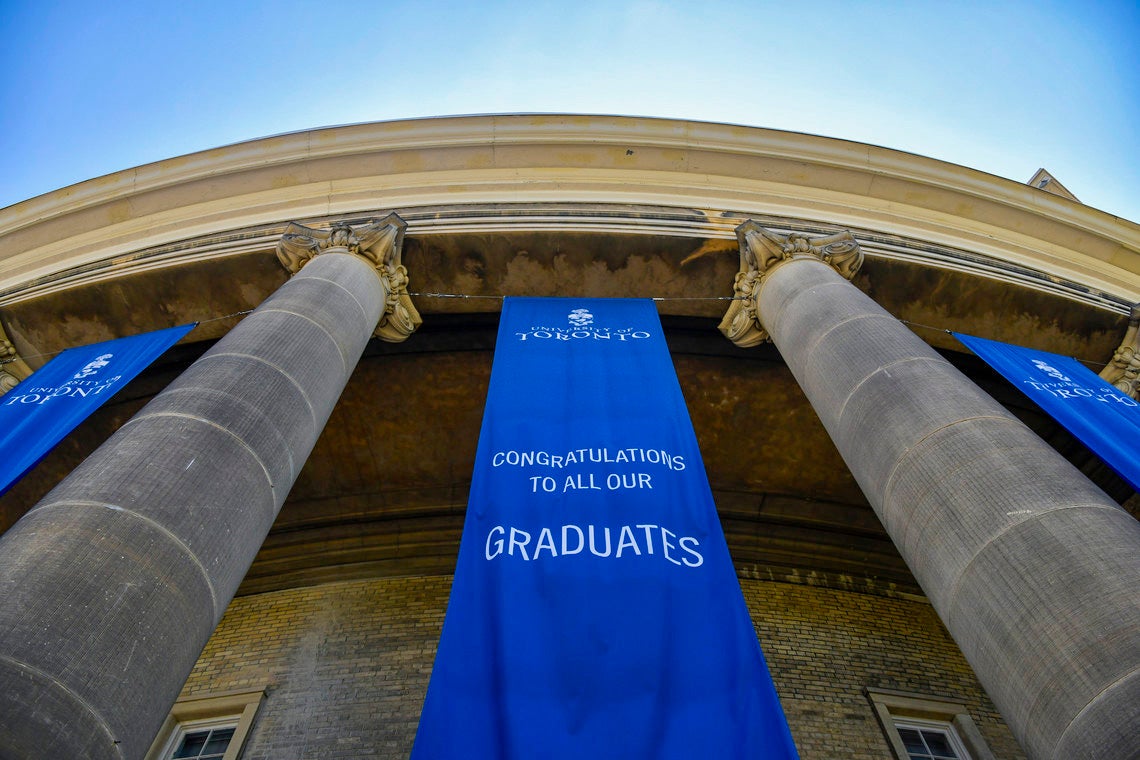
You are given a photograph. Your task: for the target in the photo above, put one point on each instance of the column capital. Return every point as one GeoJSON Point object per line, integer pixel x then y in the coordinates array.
{"type": "Point", "coordinates": [1124, 369]}
{"type": "Point", "coordinates": [13, 369]}
{"type": "Point", "coordinates": [761, 252]}
{"type": "Point", "coordinates": [380, 243]}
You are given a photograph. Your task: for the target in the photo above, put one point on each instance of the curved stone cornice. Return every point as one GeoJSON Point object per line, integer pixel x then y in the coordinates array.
{"type": "Point", "coordinates": [711, 168]}
{"type": "Point", "coordinates": [596, 219]}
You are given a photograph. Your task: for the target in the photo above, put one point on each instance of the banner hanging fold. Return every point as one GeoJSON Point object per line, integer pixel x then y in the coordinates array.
{"type": "Point", "coordinates": [1099, 415]}
{"type": "Point", "coordinates": [45, 407]}
{"type": "Point", "coordinates": [595, 612]}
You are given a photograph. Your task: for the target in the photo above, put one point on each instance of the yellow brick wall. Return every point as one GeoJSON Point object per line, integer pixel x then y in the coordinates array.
{"type": "Point", "coordinates": [825, 646]}
{"type": "Point", "coordinates": [346, 665]}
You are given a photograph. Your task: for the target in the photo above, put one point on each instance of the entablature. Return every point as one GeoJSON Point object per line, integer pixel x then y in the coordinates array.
{"type": "Point", "coordinates": [699, 180]}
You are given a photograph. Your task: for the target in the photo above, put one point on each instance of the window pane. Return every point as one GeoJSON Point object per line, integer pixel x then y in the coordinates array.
{"type": "Point", "coordinates": [219, 740]}
{"type": "Point", "coordinates": [939, 745]}
{"type": "Point", "coordinates": [912, 740]}
{"type": "Point", "coordinates": [192, 744]}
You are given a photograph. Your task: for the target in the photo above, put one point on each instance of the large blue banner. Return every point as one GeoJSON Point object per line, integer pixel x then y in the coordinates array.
{"type": "Point", "coordinates": [595, 612]}
{"type": "Point", "coordinates": [1099, 415]}
{"type": "Point", "coordinates": [41, 410]}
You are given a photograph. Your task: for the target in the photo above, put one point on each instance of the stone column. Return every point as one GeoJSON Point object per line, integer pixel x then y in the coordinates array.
{"type": "Point", "coordinates": [1034, 570]}
{"type": "Point", "coordinates": [110, 586]}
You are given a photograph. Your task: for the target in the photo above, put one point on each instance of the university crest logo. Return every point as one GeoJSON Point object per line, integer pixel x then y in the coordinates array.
{"type": "Point", "coordinates": [581, 317]}
{"type": "Point", "coordinates": [581, 325]}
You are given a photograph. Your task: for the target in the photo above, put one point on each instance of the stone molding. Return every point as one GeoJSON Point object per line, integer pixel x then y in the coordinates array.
{"type": "Point", "coordinates": [761, 251]}
{"type": "Point", "coordinates": [13, 368]}
{"type": "Point", "coordinates": [599, 218]}
{"type": "Point", "coordinates": [1124, 369]}
{"type": "Point", "coordinates": [536, 159]}
{"type": "Point", "coordinates": [241, 705]}
{"type": "Point", "coordinates": [890, 704]}
{"type": "Point", "coordinates": [380, 243]}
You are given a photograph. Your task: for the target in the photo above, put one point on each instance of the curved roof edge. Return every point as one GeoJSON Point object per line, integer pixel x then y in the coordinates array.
{"type": "Point", "coordinates": [545, 158]}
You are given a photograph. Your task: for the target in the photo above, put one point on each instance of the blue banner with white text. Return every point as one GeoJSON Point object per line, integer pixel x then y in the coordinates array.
{"type": "Point", "coordinates": [595, 612]}
{"type": "Point", "coordinates": [45, 407]}
{"type": "Point", "coordinates": [1099, 415]}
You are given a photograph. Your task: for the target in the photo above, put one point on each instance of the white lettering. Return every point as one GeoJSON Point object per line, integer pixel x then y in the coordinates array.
{"type": "Point", "coordinates": [545, 541]}
{"type": "Point", "coordinates": [498, 542]}
{"type": "Point", "coordinates": [700, 560]}
{"type": "Point", "coordinates": [512, 541]}
{"type": "Point", "coordinates": [626, 541]}
{"type": "Point", "coordinates": [593, 548]}
{"type": "Point", "coordinates": [566, 533]}
{"type": "Point", "coordinates": [666, 546]}
{"type": "Point", "coordinates": [520, 544]}
{"type": "Point", "coordinates": [648, 536]}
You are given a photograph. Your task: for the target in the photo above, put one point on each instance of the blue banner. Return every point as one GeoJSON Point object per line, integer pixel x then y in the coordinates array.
{"type": "Point", "coordinates": [41, 410]}
{"type": "Point", "coordinates": [1099, 415]}
{"type": "Point", "coordinates": [595, 612]}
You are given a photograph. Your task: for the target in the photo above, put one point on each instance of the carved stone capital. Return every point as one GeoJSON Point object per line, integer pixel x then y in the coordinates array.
{"type": "Point", "coordinates": [1124, 369]}
{"type": "Point", "coordinates": [761, 251]}
{"type": "Point", "coordinates": [13, 369]}
{"type": "Point", "coordinates": [380, 243]}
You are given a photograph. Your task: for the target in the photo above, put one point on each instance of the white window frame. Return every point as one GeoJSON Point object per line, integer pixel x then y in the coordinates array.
{"type": "Point", "coordinates": [200, 712]}
{"type": "Point", "coordinates": [895, 708]}
{"type": "Point", "coordinates": [941, 726]}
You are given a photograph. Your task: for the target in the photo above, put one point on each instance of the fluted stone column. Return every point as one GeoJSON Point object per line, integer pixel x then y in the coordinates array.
{"type": "Point", "coordinates": [110, 586]}
{"type": "Point", "coordinates": [1034, 570]}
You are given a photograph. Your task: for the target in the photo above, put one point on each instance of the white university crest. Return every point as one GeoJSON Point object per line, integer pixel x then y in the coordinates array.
{"type": "Point", "coordinates": [580, 317]}
{"type": "Point", "coordinates": [92, 367]}
{"type": "Point", "coordinates": [582, 327]}
{"type": "Point", "coordinates": [1049, 370]}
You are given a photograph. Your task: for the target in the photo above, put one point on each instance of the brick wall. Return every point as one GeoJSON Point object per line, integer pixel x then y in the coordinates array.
{"type": "Point", "coordinates": [346, 665]}
{"type": "Point", "coordinates": [824, 646]}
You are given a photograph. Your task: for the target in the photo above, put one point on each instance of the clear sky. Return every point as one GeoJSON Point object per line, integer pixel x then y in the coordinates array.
{"type": "Point", "coordinates": [89, 88]}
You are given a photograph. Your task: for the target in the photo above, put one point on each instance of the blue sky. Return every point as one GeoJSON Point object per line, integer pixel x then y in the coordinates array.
{"type": "Point", "coordinates": [90, 88]}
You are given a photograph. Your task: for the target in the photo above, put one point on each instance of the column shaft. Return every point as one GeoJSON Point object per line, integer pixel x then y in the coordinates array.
{"type": "Point", "coordinates": [110, 586]}
{"type": "Point", "coordinates": [1033, 569]}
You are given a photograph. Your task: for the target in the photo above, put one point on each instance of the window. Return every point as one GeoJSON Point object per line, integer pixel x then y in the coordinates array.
{"type": "Point", "coordinates": [201, 743]}
{"type": "Point", "coordinates": [920, 727]}
{"type": "Point", "coordinates": [930, 740]}
{"type": "Point", "coordinates": [210, 727]}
